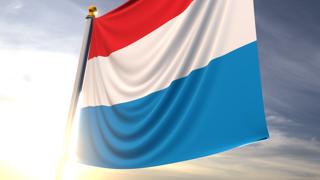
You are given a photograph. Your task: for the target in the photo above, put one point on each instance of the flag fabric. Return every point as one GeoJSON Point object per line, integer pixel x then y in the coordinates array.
{"type": "Point", "coordinates": [168, 81]}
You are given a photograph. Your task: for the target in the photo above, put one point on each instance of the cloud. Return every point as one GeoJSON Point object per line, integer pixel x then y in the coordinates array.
{"type": "Point", "coordinates": [13, 7]}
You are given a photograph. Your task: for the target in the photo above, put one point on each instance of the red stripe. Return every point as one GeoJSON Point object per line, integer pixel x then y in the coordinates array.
{"type": "Point", "coordinates": [130, 22]}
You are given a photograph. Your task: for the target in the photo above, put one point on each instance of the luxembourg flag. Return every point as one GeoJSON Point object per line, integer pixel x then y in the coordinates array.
{"type": "Point", "coordinates": [168, 81]}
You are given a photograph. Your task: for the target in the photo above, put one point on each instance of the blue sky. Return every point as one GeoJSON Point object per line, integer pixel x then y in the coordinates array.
{"type": "Point", "coordinates": [39, 46]}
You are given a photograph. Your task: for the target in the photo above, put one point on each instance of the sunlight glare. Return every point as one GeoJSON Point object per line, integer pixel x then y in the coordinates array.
{"type": "Point", "coordinates": [34, 100]}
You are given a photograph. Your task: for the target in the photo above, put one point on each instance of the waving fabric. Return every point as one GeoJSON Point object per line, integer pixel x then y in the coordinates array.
{"type": "Point", "coordinates": [168, 81]}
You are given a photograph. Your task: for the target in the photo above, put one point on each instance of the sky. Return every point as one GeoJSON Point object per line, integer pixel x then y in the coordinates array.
{"type": "Point", "coordinates": [39, 46]}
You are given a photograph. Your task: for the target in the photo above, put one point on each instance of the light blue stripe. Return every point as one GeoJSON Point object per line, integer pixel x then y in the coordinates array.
{"type": "Point", "coordinates": [213, 109]}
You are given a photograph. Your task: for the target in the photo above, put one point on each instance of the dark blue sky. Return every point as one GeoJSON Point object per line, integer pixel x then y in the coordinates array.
{"type": "Point", "coordinates": [289, 49]}
{"type": "Point", "coordinates": [289, 44]}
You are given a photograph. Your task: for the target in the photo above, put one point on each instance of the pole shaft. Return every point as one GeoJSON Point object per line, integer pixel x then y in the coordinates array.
{"type": "Point", "coordinates": [75, 94]}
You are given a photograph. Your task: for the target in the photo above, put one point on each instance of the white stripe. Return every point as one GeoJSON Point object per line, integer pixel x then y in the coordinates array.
{"type": "Point", "coordinates": [205, 30]}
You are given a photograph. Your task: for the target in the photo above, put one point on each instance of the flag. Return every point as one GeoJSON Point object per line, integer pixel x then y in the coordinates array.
{"type": "Point", "coordinates": [168, 81]}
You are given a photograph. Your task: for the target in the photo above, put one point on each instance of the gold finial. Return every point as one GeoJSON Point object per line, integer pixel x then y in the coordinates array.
{"type": "Point", "coordinates": [93, 11]}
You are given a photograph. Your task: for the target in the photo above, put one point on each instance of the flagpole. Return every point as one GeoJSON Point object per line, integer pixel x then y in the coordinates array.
{"type": "Point", "coordinates": [76, 90]}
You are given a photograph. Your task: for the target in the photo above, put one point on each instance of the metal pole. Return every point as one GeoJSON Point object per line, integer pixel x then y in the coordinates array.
{"type": "Point", "coordinates": [76, 90]}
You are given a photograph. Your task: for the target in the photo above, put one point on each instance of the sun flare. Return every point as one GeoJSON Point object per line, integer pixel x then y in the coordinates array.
{"type": "Point", "coordinates": [32, 117]}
